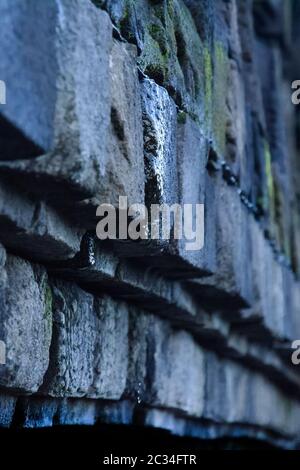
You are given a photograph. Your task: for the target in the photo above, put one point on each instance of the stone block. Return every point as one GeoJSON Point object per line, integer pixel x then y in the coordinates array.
{"type": "Point", "coordinates": [159, 120]}
{"type": "Point", "coordinates": [34, 229]}
{"type": "Point", "coordinates": [76, 71]}
{"type": "Point", "coordinates": [166, 366]}
{"type": "Point", "coordinates": [29, 69]}
{"type": "Point", "coordinates": [92, 334]}
{"type": "Point", "coordinates": [124, 173]}
{"type": "Point", "coordinates": [195, 188]}
{"type": "Point", "coordinates": [26, 324]}
{"type": "Point", "coordinates": [230, 287]}
{"type": "Point", "coordinates": [170, 49]}
{"type": "Point", "coordinates": [97, 139]}
{"type": "Point", "coordinates": [237, 395]}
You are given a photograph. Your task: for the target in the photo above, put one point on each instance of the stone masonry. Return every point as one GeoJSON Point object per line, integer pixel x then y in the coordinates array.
{"type": "Point", "coordinates": [165, 101]}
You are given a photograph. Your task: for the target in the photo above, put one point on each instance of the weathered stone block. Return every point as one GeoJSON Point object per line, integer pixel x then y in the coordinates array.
{"type": "Point", "coordinates": [168, 42]}
{"type": "Point", "coordinates": [97, 139]}
{"type": "Point", "coordinates": [74, 333]}
{"type": "Point", "coordinates": [124, 173]}
{"type": "Point", "coordinates": [195, 188]}
{"type": "Point", "coordinates": [93, 336]}
{"type": "Point", "coordinates": [35, 229]}
{"type": "Point", "coordinates": [230, 287]}
{"type": "Point", "coordinates": [77, 70]}
{"type": "Point", "coordinates": [166, 366]}
{"type": "Point", "coordinates": [238, 395]}
{"type": "Point", "coordinates": [159, 120]}
{"type": "Point", "coordinates": [25, 324]}
{"type": "Point", "coordinates": [269, 282]}
{"type": "Point", "coordinates": [111, 352]}
{"type": "Point", "coordinates": [29, 69]}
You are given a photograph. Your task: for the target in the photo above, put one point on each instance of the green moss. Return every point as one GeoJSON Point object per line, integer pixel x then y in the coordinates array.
{"type": "Point", "coordinates": [125, 23]}
{"type": "Point", "coordinates": [208, 83]}
{"type": "Point", "coordinates": [268, 169]}
{"type": "Point", "coordinates": [269, 181]}
{"type": "Point", "coordinates": [170, 7]}
{"type": "Point", "coordinates": [188, 49]}
{"type": "Point", "coordinates": [220, 79]}
{"type": "Point", "coordinates": [278, 215]}
{"type": "Point", "coordinates": [171, 48]}
{"type": "Point", "coordinates": [152, 61]}
{"type": "Point", "coordinates": [181, 117]}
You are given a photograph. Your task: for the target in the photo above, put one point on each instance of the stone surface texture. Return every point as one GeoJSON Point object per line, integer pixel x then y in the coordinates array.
{"type": "Point", "coordinates": [168, 101]}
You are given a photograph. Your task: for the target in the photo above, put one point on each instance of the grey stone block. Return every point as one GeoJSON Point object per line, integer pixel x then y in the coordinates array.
{"type": "Point", "coordinates": [159, 120]}
{"type": "Point", "coordinates": [230, 287]}
{"type": "Point", "coordinates": [166, 366]}
{"type": "Point", "coordinates": [96, 152]}
{"type": "Point", "coordinates": [34, 229]}
{"type": "Point", "coordinates": [168, 43]}
{"type": "Point", "coordinates": [74, 333]}
{"type": "Point", "coordinates": [269, 280]}
{"type": "Point", "coordinates": [125, 166]}
{"type": "Point", "coordinates": [93, 336]}
{"type": "Point", "coordinates": [111, 352]}
{"type": "Point", "coordinates": [29, 68]}
{"type": "Point", "coordinates": [77, 412]}
{"type": "Point", "coordinates": [77, 153]}
{"type": "Point", "coordinates": [195, 188]}
{"type": "Point", "coordinates": [169, 159]}
{"type": "Point", "coordinates": [26, 324]}
{"type": "Point", "coordinates": [237, 395]}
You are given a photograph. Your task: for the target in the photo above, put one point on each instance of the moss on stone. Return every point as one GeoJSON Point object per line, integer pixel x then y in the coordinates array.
{"type": "Point", "coordinates": [188, 49]}
{"type": "Point", "coordinates": [220, 79]}
{"type": "Point", "coordinates": [208, 79]}
{"type": "Point", "coordinates": [171, 52]}
{"type": "Point", "coordinates": [152, 61]}
{"type": "Point", "coordinates": [125, 23]}
{"type": "Point", "coordinates": [181, 117]}
{"type": "Point", "coordinates": [269, 181]}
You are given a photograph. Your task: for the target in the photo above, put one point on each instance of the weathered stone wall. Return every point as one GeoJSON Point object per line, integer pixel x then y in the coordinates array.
{"type": "Point", "coordinates": [183, 101]}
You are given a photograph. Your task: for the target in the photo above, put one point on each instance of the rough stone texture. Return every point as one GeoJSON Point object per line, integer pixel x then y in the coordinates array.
{"type": "Point", "coordinates": [93, 336]}
{"type": "Point", "coordinates": [170, 101]}
{"type": "Point", "coordinates": [7, 409]}
{"type": "Point", "coordinates": [92, 77]}
{"type": "Point", "coordinates": [81, 65]}
{"type": "Point", "coordinates": [31, 55]}
{"type": "Point", "coordinates": [26, 324]}
{"type": "Point", "coordinates": [125, 165]}
{"type": "Point", "coordinates": [192, 154]}
{"type": "Point", "coordinates": [29, 226]}
{"type": "Point", "coordinates": [159, 119]}
{"type": "Point", "coordinates": [170, 363]}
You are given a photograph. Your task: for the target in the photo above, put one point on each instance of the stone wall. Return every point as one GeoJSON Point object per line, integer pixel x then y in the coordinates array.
{"type": "Point", "coordinates": [166, 101]}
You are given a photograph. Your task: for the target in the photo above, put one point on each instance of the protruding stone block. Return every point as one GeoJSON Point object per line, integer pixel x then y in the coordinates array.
{"type": "Point", "coordinates": [95, 148]}
{"type": "Point", "coordinates": [92, 334]}
{"type": "Point", "coordinates": [25, 324]}
{"type": "Point", "coordinates": [34, 229]}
